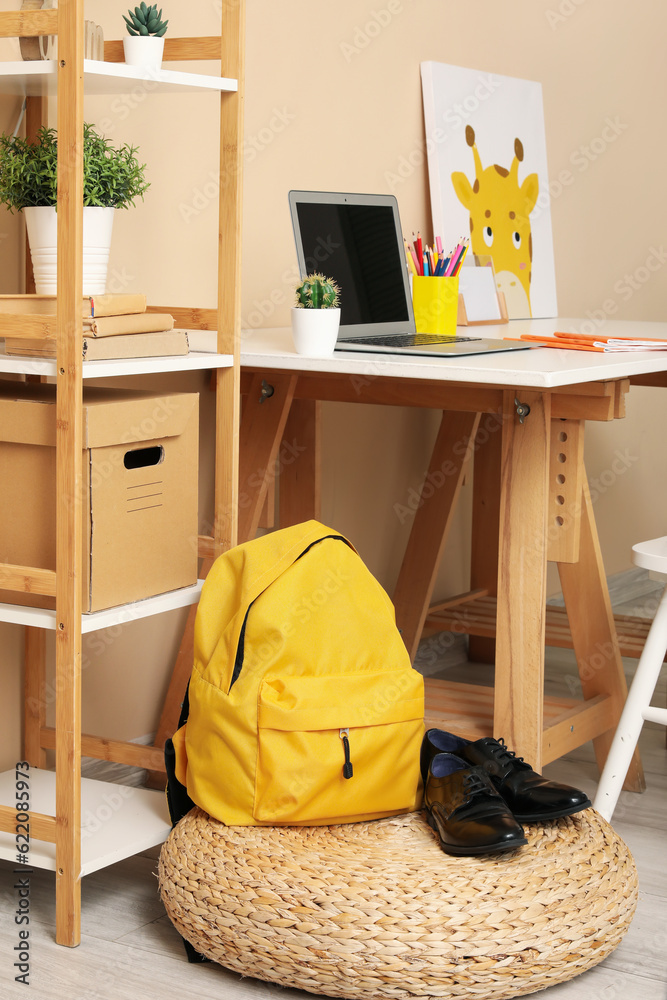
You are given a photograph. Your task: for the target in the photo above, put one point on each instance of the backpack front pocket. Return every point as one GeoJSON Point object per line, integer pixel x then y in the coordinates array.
{"type": "Point", "coordinates": [335, 749]}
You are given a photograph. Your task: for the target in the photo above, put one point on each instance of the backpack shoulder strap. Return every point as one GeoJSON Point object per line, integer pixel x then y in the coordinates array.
{"type": "Point", "coordinates": [235, 581]}
{"type": "Point", "coordinates": [179, 802]}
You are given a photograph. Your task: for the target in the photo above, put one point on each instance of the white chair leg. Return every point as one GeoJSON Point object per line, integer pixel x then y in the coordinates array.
{"type": "Point", "coordinates": [632, 718]}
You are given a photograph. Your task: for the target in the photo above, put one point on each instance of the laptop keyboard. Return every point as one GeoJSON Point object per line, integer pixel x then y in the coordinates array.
{"type": "Point", "coordinates": [408, 340]}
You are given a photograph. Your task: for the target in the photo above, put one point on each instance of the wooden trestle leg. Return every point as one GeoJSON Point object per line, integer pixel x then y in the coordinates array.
{"type": "Point", "coordinates": [449, 461]}
{"type": "Point", "coordinates": [594, 636]}
{"type": "Point", "coordinates": [485, 523]}
{"type": "Point", "coordinates": [519, 676]}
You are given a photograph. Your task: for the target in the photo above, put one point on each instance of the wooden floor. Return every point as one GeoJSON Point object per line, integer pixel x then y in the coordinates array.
{"type": "Point", "coordinates": [129, 950]}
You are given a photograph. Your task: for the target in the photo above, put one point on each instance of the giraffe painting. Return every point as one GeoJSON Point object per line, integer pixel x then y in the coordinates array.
{"type": "Point", "coordinates": [499, 208]}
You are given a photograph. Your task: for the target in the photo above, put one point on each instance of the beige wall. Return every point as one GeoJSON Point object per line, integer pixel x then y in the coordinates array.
{"type": "Point", "coordinates": [334, 102]}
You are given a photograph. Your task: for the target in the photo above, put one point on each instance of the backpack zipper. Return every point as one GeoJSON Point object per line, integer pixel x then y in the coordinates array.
{"type": "Point", "coordinates": [238, 659]}
{"type": "Point", "coordinates": [347, 766]}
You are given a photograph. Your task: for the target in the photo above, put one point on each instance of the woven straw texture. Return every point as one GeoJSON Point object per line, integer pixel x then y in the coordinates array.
{"type": "Point", "coordinates": [374, 910]}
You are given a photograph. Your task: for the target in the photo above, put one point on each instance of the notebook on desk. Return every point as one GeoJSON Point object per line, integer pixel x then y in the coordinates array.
{"type": "Point", "coordinates": [357, 240]}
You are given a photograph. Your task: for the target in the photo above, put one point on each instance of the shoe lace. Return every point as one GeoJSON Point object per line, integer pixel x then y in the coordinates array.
{"type": "Point", "coordinates": [504, 755]}
{"type": "Point", "coordinates": [472, 783]}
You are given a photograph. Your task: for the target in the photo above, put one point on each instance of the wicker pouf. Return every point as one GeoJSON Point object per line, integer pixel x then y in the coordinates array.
{"type": "Point", "coordinates": [376, 910]}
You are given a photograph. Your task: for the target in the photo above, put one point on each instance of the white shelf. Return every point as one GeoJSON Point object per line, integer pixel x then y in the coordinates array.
{"type": "Point", "coordinates": [16, 614]}
{"type": "Point", "coordinates": [117, 821]}
{"type": "Point", "coordinates": [194, 361]}
{"type": "Point", "coordinates": [38, 78]}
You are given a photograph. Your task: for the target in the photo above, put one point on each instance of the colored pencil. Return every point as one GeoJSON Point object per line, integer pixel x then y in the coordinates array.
{"type": "Point", "coordinates": [413, 263]}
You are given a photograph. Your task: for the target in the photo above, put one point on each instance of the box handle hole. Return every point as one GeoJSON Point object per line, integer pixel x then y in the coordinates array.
{"type": "Point", "coordinates": [143, 458]}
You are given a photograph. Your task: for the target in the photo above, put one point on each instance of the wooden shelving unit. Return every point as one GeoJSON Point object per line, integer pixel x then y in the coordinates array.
{"type": "Point", "coordinates": [80, 826]}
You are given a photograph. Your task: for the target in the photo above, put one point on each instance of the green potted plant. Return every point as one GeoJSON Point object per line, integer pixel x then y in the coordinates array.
{"type": "Point", "coordinates": [112, 178]}
{"type": "Point", "coordinates": [316, 316]}
{"type": "Point", "coordinates": [144, 43]}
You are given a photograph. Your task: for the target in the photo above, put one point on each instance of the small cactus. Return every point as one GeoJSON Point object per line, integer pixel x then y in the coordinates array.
{"type": "Point", "coordinates": [317, 292]}
{"type": "Point", "coordinates": [145, 20]}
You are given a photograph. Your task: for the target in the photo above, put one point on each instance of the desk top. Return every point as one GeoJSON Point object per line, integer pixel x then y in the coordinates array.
{"type": "Point", "coordinates": [541, 368]}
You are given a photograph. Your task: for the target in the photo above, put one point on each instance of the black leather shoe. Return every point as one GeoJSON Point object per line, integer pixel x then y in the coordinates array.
{"type": "Point", "coordinates": [466, 811]}
{"type": "Point", "coordinates": [531, 797]}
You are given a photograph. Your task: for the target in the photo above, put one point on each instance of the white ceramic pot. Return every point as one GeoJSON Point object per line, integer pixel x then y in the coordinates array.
{"type": "Point", "coordinates": [315, 331]}
{"type": "Point", "coordinates": [143, 50]}
{"type": "Point", "coordinates": [42, 226]}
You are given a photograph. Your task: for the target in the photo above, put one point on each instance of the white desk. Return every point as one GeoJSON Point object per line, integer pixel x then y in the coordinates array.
{"type": "Point", "coordinates": [536, 368]}
{"type": "Point", "coordinates": [530, 503]}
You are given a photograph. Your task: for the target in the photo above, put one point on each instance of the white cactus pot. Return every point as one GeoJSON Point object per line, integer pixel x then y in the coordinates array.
{"type": "Point", "coordinates": [315, 331]}
{"type": "Point", "coordinates": [143, 50]}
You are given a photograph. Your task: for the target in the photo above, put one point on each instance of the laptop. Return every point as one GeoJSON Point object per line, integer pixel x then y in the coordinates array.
{"type": "Point", "coordinates": [356, 239]}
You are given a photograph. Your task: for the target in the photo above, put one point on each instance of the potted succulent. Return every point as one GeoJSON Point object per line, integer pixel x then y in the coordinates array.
{"type": "Point", "coordinates": [316, 316]}
{"type": "Point", "coordinates": [112, 178]}
{"type": "Point", "coordinates": [144, 43]}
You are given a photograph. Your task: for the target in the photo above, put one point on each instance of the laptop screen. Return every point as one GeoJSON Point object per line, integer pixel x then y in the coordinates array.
{"type": "Point", "coordinates": [357, 240]}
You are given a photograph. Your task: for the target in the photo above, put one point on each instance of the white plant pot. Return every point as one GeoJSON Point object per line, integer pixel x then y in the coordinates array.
{"type": "Point", "coordinates": [315, 331]}
{"type": "Point", "coordinates": [143, 50]}
{"type": "Point", "coordinates": [42, 226]}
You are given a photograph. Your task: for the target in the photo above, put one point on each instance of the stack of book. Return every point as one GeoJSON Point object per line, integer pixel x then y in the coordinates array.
{"type": "Point", "coordinates": [114, 326]}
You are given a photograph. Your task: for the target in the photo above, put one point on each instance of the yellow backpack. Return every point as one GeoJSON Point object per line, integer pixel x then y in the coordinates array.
{"type": "Point", "coordinates": [303, 706]}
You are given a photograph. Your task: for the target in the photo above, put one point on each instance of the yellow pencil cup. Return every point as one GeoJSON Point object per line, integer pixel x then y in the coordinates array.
{"type": "Point", "coordinates": [435, 302]}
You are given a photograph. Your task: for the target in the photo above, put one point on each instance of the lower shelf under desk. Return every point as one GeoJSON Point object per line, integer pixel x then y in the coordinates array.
{"type": "Point", "coordinates": [467, 710]}
{"type": "Point", "coordinates": [477, 616]}
{"type": "Point", "coordinates": [117, 821]}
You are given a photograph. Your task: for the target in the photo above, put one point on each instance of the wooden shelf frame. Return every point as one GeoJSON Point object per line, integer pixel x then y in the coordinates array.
{"type": "Point", "coordinates": [60, 822]}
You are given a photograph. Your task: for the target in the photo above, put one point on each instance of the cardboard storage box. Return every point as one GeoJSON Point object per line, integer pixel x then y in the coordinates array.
{"type": "Point", "coordinates": [139, 490]}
